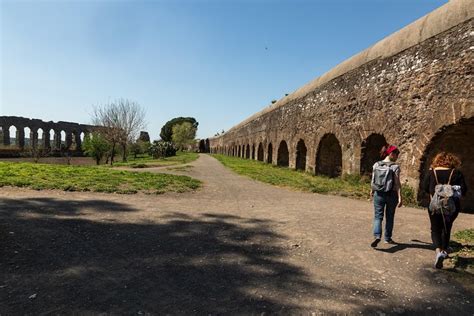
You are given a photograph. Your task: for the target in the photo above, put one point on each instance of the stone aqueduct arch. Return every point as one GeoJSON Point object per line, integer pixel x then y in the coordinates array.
{"type": "Point", "coordinates": [412, 89]}
{"type": "Point", "coordinates": [51, 133]}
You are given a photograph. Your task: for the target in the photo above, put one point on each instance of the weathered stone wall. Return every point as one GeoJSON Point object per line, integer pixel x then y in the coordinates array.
{"type": "Point", "coordinates": [72, 132]}
{"type": "Point", "coordinates": [411, 98]}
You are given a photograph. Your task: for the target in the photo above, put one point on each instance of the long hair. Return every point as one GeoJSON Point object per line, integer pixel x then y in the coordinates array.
{"type": "Point", "coordinates": [446, 160]}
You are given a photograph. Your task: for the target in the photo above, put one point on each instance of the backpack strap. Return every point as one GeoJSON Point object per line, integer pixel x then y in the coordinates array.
{"type": "Point", "coordinates": [436, 177]}
{"type": "Point", "coordinates": [450, 175]}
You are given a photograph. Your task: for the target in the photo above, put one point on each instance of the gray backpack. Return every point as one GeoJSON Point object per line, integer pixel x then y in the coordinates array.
{"type": "Point", "coordinates": [382, 176]}
{"type": "Point", "coordinates": [442, 201]}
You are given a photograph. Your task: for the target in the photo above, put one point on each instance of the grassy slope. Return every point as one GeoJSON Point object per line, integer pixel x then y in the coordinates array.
{"type": "Point", "coordinates": [88, 178]}
{"type": "Point", "coordinates": [351, 186]}
{"type": "Point", "coordinates": [148, 162]}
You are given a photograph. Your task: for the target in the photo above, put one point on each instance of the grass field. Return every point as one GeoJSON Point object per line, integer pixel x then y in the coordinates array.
{"type": "Point", "coordinates": [350, 186]}
{"type": "Point", "coordinates": [90, 178]}
{"type": "Point", "coordinates": [146, 161]}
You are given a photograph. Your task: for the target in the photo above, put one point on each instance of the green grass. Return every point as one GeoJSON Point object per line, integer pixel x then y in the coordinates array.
{"type": "Point", "coordinates": [90, 178]}
{"type": "Point", "coordinates": [465, 236]}
{"type": "Point", "coordinates": [349, 185]}
{"type": "Point", "coordinates": [461, 259]}
{"type": "Point", "coordinates": [149, 162]}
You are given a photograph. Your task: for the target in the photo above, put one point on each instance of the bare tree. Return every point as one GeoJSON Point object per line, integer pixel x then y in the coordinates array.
{"type": "Point", "coordinates": [122, 121]}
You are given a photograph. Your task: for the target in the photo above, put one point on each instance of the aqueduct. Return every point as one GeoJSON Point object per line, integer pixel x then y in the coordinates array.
{"type": "Point", "coordinates": [414, 89]}
{"type": "Point", "coordinates": [50, 135]}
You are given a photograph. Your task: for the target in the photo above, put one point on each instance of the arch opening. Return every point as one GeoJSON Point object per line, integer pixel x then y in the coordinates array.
{"type": "Point", "coordinates": [329, 157]}
{"type": "Point", "coordinates": [455, 139]}
{"type": "Point", "coordinates": [301, 155]}
{"type": "Point", "coordinates": [260, 152]}
{"type": "Point", "coordinates": [253, 152]}
{"type": "Point", "coordinates": [270, 153]}
{"type": "Point", "coordinates": [370, 152]}
{"type": "Point", "coordinates": [13, 131]}
{"type": "Point", "coordinates": [247, 152]}
{"type": "Point", "coordinates": [27, 138]}
{"type": "Point", "coordinates": [283, 159]}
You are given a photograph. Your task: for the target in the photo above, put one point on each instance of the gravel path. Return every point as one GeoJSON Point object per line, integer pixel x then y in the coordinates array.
{"type": "Point", "coordinates": [236, 246]}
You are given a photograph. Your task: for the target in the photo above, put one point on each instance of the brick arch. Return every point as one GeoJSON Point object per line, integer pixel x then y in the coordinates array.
{"type": "Point", "coordinates": [457, 139]}
{"type": "Point", "coordinates": [283, 158]}
{"type": "Point", "coordinates": [329, 156]}
{"type": "Point", "coordinates": [370, 152]}
{"type": "Point", "coordinates": [301, 152]}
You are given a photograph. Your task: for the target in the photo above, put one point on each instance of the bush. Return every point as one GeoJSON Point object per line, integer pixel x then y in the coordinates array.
{"type": "Point", "coordinates": [408, 195]}
{"type": "Point", "coordinates": [161, 149]}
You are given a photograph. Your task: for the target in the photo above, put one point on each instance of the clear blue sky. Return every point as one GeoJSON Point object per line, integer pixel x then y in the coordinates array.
{"type": "Point", "coordinates": [218, 61]}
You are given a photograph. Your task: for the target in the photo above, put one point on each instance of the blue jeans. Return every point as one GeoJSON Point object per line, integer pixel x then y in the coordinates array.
{"type": "Point", "coordinates": [384, 202]}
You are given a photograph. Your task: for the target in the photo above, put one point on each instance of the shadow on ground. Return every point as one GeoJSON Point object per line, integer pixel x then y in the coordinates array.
{"type": "Point", "coordinates": [182, 265]}
{"type": "Point", "coordinates": [55, 260]}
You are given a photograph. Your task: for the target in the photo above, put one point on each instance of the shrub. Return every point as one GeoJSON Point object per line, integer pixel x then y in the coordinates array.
{"type": "Point", "coordinates": [161, 149]}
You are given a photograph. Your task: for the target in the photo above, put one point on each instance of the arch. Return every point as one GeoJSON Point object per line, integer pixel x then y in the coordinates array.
{"type": "Point", "coordinates": [283, 159]}
{"type": "Point", "coordinates": [239, 151]}
{"type": "Point", "coordinates": [270, 153]}
{"type": "Point", "coordinates": [301, 155]}
{"type": "Point", "coordinates": [247, 152]}
{"type": "Point", "coordinates": [253, 151]}
{"type": "Point", "coordinates": [370, 152]}
{"type": "Point", "coordinates": [329, 156]}
{"type": "Point", "coordinates": [27, 137]}
{"type": "Point", "coordinates": [457, 139]}
{"type": "Point", "coordinates": [40, 133]}
{"type": "Point", "coordinates": [40, 138]}
{"type": "Point", "coordinates": [260, 152]}
{"type": "Point", "coordinates": [13, 131]}
{"type": "Point", "coordinates": [202, 146]}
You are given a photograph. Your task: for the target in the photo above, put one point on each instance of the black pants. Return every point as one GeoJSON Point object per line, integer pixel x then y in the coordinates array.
{"type": "Point", "coordinates": [440, 234]}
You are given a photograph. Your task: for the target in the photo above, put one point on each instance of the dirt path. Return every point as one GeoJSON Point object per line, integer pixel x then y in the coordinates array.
{"type": "Point", "coordinates": [236, 246]}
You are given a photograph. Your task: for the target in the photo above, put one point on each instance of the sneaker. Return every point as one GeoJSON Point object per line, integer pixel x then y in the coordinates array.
{"type": "Point", "coordinates": [439, 260]}
{"type": "Point", "coordinates": [375, 243]}
{"type": "Point", "coordinates": [389, 241]}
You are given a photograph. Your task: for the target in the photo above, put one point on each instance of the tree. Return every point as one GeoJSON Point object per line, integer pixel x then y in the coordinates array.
{"type": "Point", "coordinates": [139, 147]}
{"type": "Point", "coordinates": [122, 120]}
{"type": "Point", "coordinates": [183, 134]}
{"type": "Point", "coordinates": [167, 129]}
{"type": "Point", "coordinates": [96, 146]}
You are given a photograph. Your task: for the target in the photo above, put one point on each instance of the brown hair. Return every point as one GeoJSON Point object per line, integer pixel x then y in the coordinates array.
{"type": "Point", "coordinates": [446, 160]}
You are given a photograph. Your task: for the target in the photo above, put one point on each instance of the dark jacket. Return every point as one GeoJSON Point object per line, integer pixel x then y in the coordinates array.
{"type": "Point", "coordinates": [429, 182]}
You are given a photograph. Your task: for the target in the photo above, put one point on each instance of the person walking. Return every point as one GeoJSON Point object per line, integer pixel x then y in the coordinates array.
{"type": "Point", "coordinates": [443, 171]}
{"type": "Point", "coordinates": [386, 192]}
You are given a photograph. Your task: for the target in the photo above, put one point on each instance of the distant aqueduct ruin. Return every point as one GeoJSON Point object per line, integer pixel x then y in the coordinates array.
{"type": "Point", "coordinates": [51, 135]}
{"type": "Point", "coordinates": [414, 89]}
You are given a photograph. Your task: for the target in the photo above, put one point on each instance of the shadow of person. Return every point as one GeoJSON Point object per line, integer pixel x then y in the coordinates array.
{"type": "Point", "coordinates": [402, 246]}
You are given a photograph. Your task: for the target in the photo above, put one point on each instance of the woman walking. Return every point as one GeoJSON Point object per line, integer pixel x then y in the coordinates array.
{"type": "Point", "coordinates": [386, 192]}
{"type": "Point", "coordinates": [444, 170]}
